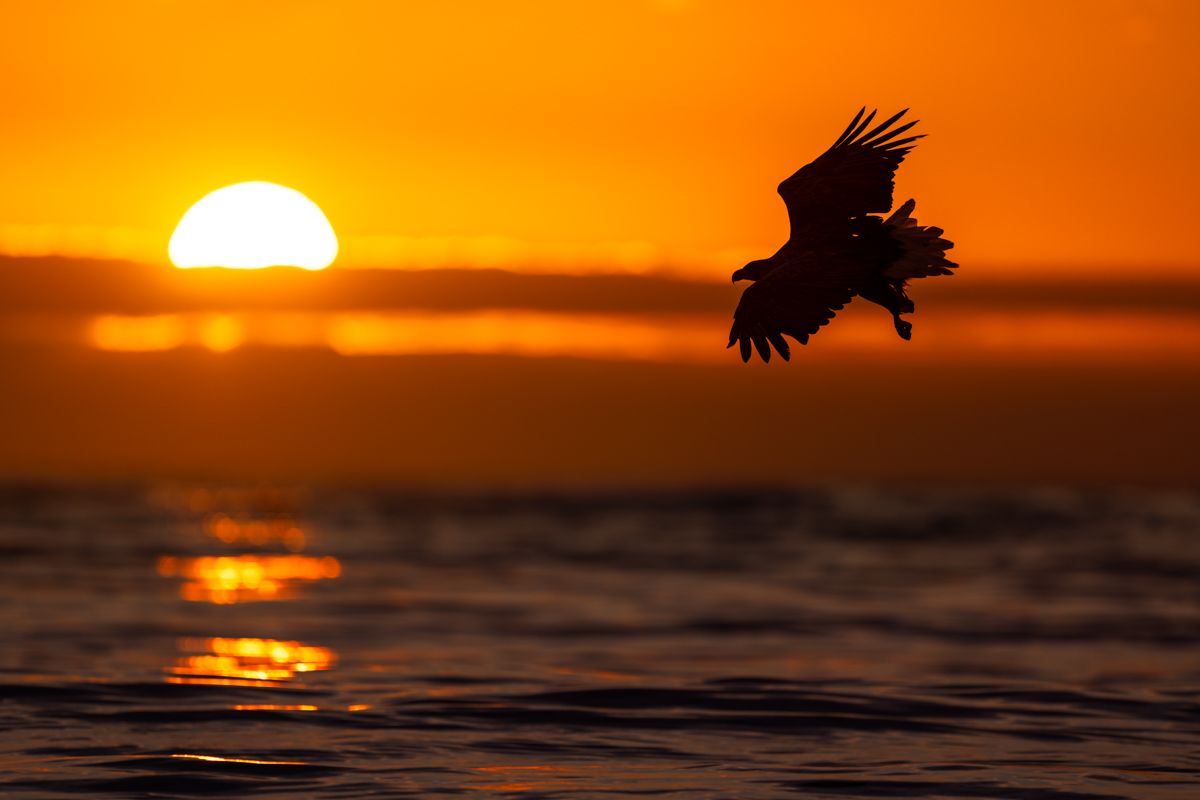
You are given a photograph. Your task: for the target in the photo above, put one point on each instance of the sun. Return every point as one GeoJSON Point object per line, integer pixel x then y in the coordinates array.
{"type": "Point", "coordinates": [253, 225]}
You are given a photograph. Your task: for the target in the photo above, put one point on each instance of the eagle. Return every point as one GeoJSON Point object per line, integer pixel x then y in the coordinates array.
{"type": "Point", "coordinates": [839, 247]}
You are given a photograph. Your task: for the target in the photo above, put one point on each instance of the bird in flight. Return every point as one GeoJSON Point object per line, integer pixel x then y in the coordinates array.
{"type": "Point", "coordinates": [838, 248]}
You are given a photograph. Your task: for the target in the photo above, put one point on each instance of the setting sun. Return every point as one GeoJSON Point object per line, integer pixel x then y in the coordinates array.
{"type": "Point", "coordinates": [254, 225]}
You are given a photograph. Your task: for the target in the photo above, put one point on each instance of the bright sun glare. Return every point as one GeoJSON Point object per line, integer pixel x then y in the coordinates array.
{"type": "Point", "coordinates": [253, 225]}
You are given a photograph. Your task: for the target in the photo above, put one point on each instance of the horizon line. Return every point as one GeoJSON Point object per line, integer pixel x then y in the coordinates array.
{"type": "Point", "coordinates": [988, 271]}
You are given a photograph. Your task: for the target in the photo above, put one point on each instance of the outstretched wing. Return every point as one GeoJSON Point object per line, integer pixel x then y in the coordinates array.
{"type": "Point", "coordinates": [796, 300]}
{"type": "Point", "coordinates": [852, 178]}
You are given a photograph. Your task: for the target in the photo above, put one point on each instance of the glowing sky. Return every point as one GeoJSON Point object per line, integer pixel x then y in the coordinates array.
{"type": "Point", "coordinates": [626, 134]}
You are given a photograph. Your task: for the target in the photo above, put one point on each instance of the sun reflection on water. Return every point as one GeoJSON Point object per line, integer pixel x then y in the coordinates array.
{"type": "Point", "coordinates": [225, 580]}
{"type": "Point", "coordinates": [226, 500]}
{"type": "Point", "coordinates": [530, 778]}
{"type": "Point", "coordinates": [226, 760]}
{"type": "Point", "coordinates": [240, 519]}
{"type": "Point", "coordinates": [258, 661]}
{"type": "Point", "coordinates": [256, 532]}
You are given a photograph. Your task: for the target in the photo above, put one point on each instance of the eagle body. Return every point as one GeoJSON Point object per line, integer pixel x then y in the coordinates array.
{"type": "Point", "coordinates": [839, 248]}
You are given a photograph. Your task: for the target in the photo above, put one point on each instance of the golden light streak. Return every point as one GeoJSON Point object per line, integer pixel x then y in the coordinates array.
{"type": "Point", "coordinates": [301, 707]}
{"type": "Point", "coordinates": [137, 334]}
{"type": "Point", "coordinates": [662, 338]}
{"type": "Point", "coordinates": [225, 759]}
{"type": "Point", "coordinates": [275, 707]}
{"type": "Point", "coordinates": [248, 659]}
{"type": "Point", "coordinates": [219, 333]}
{"type": "Point", "coordinates": [524, 333]}
{"type": "Point", "coordinates": [225, 580]}
{"type": "Point", "coordinates": [530, 778]}
{"type": "Point", "coordinates": [198, 681]}
{"type": "Point", "coordinates": [521, 768]}
{"type": "Point", "coordinates": [82, 241]}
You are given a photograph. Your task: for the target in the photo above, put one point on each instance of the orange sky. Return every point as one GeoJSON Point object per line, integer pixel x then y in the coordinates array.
{"type": "Point", "coordinates": [624, 135]}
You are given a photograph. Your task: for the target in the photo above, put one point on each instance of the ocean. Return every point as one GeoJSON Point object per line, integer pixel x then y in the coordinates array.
{"type": "Point", "coordinates": [179, 641]}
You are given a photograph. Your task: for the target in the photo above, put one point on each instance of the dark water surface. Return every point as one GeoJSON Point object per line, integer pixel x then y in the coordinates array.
{"type": "Point", "coordinates": [830, 644]}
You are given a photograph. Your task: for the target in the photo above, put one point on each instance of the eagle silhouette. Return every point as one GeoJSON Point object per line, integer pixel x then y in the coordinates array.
{"type": "Point", "coordinates": [837, 248]}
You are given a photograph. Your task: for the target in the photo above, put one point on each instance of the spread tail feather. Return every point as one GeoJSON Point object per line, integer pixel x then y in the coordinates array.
{"type": "Point", "coordinates": [924, 249]}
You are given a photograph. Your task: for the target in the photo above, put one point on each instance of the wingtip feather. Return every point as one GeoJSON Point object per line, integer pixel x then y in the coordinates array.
{"type": "Point", "coordinates": [899, 144]}
{"type": "Point", "coordinates": [781, 345]}
{"type": "Point", "coordinates": [885, 136]}
{"type": "Point", "coordinates": [881, 127]}
{"type": "Point", "coordinates": [850, 127]}
{"type": "Point", "coordinates": [764, 349]}
{"type": "Point", "coordinates": [862, 126]}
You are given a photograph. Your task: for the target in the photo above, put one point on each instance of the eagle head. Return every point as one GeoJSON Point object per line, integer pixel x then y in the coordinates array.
{"type": "Point", "coordinates": [754, 271]}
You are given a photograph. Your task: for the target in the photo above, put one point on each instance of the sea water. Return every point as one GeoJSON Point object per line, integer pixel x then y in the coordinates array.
{"type": "Point", "coordinates": [853, 642]}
